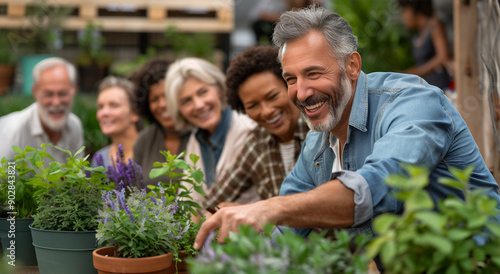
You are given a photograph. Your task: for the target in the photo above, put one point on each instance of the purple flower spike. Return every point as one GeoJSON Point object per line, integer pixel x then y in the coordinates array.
{"type": "Point", "coordinates": [99, 159]}
{"type": "Point", "coordinates": [152, 199]}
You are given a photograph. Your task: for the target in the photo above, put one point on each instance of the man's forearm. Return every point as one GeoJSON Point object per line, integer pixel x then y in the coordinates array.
{"type": "Point", "coordinates": [330, 205]}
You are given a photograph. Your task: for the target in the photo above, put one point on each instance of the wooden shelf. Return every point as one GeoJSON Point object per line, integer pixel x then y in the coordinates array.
{"type": "Point", "coordinates": [190, 15]}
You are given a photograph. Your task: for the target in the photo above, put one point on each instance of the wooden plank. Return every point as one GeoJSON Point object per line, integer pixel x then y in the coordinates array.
{"type": "Point", "coordinates": [88, 11]}
{"type": "Point", "coordinates": [133, 24]}
{"type": "Point", "coordinates": [157, 13]}
{"type": "Point", "coordinates": [171, 4]}
{"type": "Point", "coordinates": [16, 10]}
{"type": "Point", "coordinates": [469, 98]}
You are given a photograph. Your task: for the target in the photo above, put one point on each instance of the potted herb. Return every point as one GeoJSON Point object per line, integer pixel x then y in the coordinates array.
{"type": "Point", "coordinates": [139, 225]}
{"type": "Point", "coordinates": [93, 62]}
{"type": "Point", "coordinates": [18, 205]}
{"type": "Point", "coordinates": [250, 251]}
{"type": "Point", "coordinates": [69, 197]}
{"type": "Point", "coordinates": [178, 170]}
{"type": "Point", "coordinates": [460, 237]}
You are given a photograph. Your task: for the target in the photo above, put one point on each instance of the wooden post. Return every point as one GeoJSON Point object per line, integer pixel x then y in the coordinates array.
{"type": "Point", "coordinates": [469, 96]}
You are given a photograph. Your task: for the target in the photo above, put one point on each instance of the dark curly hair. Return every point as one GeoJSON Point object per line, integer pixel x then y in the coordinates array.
{"type": "Point", "coordinates": [247, 63]}
{"type": "Point", "coordinates": [152, 72]}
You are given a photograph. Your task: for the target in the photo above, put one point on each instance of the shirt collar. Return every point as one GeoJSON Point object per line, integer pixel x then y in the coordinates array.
{"type": "Point", "coordinates": [359, 111]}
{"type": "Point", "coordinates": [36, 124]}
{"type": "Point", "coordinates": [218, 138]}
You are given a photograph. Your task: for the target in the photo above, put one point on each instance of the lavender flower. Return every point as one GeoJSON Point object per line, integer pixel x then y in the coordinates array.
{"type": "Point", "coordinates": [98, 159]}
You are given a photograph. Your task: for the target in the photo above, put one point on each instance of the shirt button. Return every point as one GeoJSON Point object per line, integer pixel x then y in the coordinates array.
{"type": "Point", "coordinates": [317, 164]}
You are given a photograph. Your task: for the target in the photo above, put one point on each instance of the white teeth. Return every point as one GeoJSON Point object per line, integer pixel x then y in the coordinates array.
{"type": "Point", "coordinates": [203, 115]}
{"type": "Point", "coordinates": [315, 107]}
{"type": "Point", "coordinates": [275, 119]}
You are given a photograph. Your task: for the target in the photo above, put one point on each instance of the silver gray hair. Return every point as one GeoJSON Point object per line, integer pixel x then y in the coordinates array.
{"type": "Point", "coordinates": [50, 63]}
{"type": "Point", "coordinates": [179, 72]}
{"type": "Point", "coordinates": [298, 23]}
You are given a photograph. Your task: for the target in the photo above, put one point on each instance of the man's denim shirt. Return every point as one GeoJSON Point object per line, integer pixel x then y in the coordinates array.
{"type": "Point", "coordinates": [395, 118]}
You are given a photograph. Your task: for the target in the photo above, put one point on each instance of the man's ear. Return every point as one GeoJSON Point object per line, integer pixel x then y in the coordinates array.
{"type": "Point", "coordinates": [353, 66]}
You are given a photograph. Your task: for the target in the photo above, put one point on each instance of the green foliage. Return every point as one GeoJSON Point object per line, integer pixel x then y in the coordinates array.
{"type": "Point", "coordinates": [252, 252]}
{"type": "Point", "coordinates": [7, 55]}
{"type": "Point", "coordinates": [92, 48]}
{"type": "Point", "coordinates": [127, 68]}
{"type": "Point", "coordinates": [383, 41]}
{"type": "Point", "coordinates": [68, 194]}
{"type": "Point", "coordinates": [178, 170]}
{"type": "Point", "coordinates": [14, 177]}
{"type": "Point", "coordinates": [422, 240]}
{"type": "Point", "coordinates": [199, 45]}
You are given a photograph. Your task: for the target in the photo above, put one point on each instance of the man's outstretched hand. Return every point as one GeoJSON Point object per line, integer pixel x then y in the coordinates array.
{"type": "Point", "coordinates": [230, 218]}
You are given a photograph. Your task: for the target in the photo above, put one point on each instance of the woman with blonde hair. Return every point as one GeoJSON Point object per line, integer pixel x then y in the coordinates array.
{"type": "Point", "coordinates": [195, 91]}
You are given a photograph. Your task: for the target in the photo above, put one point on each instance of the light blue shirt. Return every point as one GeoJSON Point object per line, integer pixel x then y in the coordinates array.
{"type": "Point", "coordinates": [395, 118]}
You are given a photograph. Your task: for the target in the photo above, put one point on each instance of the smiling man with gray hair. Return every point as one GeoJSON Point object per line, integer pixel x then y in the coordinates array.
{"type": "Point", "coordinates": [364, 126]}
{"type": "Point", "coordinates": [49, 119]}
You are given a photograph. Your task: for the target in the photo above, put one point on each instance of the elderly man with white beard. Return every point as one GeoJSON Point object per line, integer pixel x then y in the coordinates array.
{"type": "Point", "coordinates": [49, 118]}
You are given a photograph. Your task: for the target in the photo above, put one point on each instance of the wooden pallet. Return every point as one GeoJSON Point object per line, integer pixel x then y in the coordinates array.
{"type": "Point", "coordinates": [154, 15]}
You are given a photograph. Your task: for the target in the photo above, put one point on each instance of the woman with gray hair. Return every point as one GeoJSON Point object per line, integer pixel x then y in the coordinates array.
{"type": "Point", "coordinates": [118, 118]}
{"type": "Point", "coordinates": [195, 91]}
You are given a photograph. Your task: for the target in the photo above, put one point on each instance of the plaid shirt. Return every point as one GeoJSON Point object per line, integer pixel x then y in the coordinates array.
{"type": "Point", "coordinates": [259, 164]}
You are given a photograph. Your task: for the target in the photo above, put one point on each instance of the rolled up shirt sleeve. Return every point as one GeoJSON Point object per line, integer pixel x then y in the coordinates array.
{"type": "Point", "coordinates": [363, 206]}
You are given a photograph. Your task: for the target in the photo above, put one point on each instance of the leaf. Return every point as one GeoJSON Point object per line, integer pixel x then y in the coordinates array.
{"type": "Point", "coordinates": [80, 151]}
{"type": "Point", "coordinates": [477, 221]}
{"type": "Point", "coordinates": [197, 176]}
{"type": "Point", "coordinates": [17, 149]}
{"type": "Point", "coordinates": [451, 183]}
{"type": "Point", "coordinates": [199, 189]}
{"type": "Point", "coordinates": [432, 219]}
{"type": "Point", "coordinates": [157, 172]}
{"type": "Point", "coordinates": [419, 201]}
{"type": "Point", "coordinates": [383, 222]}
{"type": "Point", "coordinates": [458, 234]}
{"type": "Point", "coordinates": [438, 242]}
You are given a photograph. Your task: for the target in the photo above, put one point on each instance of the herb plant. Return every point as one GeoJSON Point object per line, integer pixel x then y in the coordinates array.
{"type": "Point", "coordinates": [449, 240]}
{"type": "Point", "coordinates": [178, 170]}
{"type": "Point", "coordinates": [19, 172]}
{"type": "Point", "coordinates": [252, 252]}
{"type": "Point", "coordinates": [68, 194]}
{"type": "Point", "coordinates": [140, 225]}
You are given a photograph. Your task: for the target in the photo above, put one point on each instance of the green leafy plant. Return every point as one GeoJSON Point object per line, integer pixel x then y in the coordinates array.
{"type": "Point", "coordinates": [252, 252]}
{"type": "Point", "coordinates": [178, 170]}
{"type": "Point", "coordinates": [14, 180]}
{"type": "Point", "coordinates": [68, 194]}
{"type": "Point", "coordinates": [423, 240]}
{"type": "Point", "coordinates": [7, 55]}
{"type": "Point", "coordinates": [383, 41]}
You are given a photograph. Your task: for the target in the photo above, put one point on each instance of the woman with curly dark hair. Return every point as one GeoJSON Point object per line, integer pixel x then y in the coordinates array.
{"type": "Point", "coordinates": [256, 87]}
{"type": "Point", "coordinates": [161, 135]}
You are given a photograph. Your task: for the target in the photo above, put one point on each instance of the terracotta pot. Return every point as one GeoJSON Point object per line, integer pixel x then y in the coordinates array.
{"type": "Point", "coordinates": [106, 263]}
{"type": "Point", "coordinates": [6, 77]}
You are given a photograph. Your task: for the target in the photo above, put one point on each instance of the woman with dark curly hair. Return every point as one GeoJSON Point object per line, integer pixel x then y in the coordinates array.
{"type": "Point", "coordinates": [256, 87]}
{"type": "Point", "coordinates": [161, 135]}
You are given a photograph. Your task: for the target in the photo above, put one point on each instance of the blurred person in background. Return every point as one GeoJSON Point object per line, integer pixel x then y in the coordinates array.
{"type": "Point", "coordinates": [430, 46]}
{"type": "Point", "coordinates": [118, 118]}
{"type": "Point", "coordinates": [161, 135]}
{"type": "Point", "coordinates": [49, 118]}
